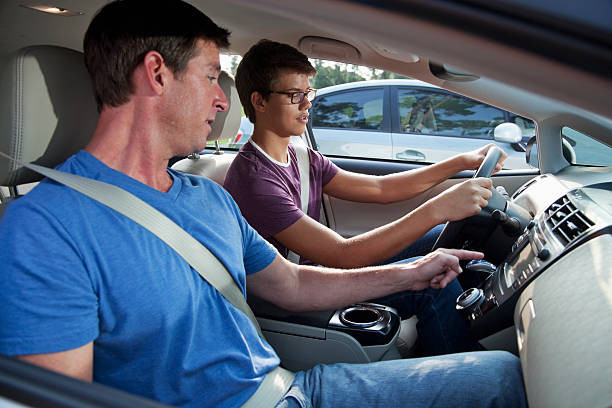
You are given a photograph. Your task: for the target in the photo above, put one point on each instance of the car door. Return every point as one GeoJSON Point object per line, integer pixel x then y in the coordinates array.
{"type": "Point", "coordinates": [353, 123]}
{"type": "Point", "coordinates": [430, 125]}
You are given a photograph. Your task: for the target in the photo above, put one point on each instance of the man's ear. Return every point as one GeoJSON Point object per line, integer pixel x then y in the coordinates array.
{"type": "Point", "coordinates": [258, 101]}
{"type": "Point", "coordinates": [155, 71]}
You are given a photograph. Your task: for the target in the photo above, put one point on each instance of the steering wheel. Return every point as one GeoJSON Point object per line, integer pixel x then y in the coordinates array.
{"type": "Point", "coordinates": [450, 233]}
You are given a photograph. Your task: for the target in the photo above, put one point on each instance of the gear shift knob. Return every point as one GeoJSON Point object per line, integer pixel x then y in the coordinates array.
{"type": "Point", "coordinates": [481, 266]}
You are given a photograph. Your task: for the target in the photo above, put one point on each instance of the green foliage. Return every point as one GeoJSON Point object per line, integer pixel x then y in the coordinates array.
{"type": "Point", "coordinates": [329, 74]}
{"type": "Point", "coordinates": [234, 61]}
{"type": "Point", "coordinates": [333, 75]}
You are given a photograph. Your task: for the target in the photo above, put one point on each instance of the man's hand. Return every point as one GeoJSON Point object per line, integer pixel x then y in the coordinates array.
{"type": "Point", "coordinates": [462, 200]}
{"type": "Point", "coordinates": [474, 159]}
{"type": "Point", "coordinates": [437, 269]}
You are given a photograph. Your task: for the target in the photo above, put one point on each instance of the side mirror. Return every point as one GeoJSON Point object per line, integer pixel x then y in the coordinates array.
{"type": "Point", "coordinates": [507, 133]}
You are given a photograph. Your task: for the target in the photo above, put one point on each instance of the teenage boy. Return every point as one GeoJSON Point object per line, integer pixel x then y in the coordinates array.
{"type": "Point", "coordinates": [273, 82]}
{"type": "Point", "coordinates": [91, 294]}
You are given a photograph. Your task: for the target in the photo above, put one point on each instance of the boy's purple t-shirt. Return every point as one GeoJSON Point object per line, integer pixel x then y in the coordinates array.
{"type": "Point", "coordinates": [268, 193]}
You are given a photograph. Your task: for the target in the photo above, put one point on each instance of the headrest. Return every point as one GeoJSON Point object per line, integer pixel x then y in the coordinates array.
{"type": "Point", "coordinates": [47, 110]}
{"type": "Point", "coordinates": [227, 123]}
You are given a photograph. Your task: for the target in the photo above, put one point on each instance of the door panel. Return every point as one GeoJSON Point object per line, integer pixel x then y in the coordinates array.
{"type": "Point", "coordinates": [351, 218]}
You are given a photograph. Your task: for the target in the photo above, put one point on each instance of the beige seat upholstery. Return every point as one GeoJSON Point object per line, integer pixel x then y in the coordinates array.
{"type": "Point", "coordinates": [226, 125]}
{"type": "Point", "coordinates": [47, 111]}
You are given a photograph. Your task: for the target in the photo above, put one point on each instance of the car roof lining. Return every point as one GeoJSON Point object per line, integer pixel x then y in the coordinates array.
{"type": "Point", "coordinates": [532, 93]}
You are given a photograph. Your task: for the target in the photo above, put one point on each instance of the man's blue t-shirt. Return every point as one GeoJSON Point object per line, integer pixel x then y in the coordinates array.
{"type": "Point", "coordinates": [75, 271]}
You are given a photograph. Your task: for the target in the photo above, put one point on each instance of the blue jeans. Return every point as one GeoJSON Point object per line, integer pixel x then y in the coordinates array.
{"type": "Point", "coordinates": [477, 379]}
{"type": "Point", "coordinates": [420, 247]}
{"type": "Point", "coordinates": [441, 329]}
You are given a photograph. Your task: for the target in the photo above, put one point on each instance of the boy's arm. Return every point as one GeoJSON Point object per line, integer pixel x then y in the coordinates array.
{"type": "Point", "coordinates": [324, 246]}
{"type": "Point", "coordinates": [308, 288]}
{"type": "Point", "coordinates": [402, 186]}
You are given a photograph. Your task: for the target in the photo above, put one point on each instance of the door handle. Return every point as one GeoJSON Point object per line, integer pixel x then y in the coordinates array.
{"type": "Point", "coordinates": [410, 155]}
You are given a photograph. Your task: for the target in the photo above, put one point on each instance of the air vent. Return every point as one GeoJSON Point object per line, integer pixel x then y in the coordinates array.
{"type": "Point", "coordinates": [566, 221]}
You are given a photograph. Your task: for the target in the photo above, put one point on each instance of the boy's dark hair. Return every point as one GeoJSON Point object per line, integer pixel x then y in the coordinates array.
{"type": "Point", "coordinates": [261, 66]}
{"type": "Point", "coordinates": [123, 32]}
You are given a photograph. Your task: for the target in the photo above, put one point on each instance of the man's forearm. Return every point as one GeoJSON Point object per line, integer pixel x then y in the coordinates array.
{"type": "Point", "coordinates": [325, 289]}
{"type": "Point", "coordinates": [308, 288]}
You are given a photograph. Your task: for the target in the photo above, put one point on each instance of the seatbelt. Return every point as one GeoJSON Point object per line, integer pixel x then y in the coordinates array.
{"type": "Point", "coordinates": [303, 162]}
{"type": "Point", "coordinates": [277, 381]}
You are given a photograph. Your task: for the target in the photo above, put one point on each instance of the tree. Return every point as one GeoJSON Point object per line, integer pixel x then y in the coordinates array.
{"type": "Point", "coordinates": [338, 73]}
{"type": "Point", "coordinates": [381, 74]}
{"type": "Point", "coordinates": [234, 61]}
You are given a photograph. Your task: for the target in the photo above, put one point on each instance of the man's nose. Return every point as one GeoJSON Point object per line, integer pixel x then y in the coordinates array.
{"type": "Point", "coordinates": [221, 102]}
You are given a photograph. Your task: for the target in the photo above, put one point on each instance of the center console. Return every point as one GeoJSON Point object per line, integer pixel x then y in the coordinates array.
{"type": "Point", "coordinates": [358, 333]}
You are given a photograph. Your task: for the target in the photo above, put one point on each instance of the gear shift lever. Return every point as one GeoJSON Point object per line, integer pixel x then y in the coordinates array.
{"type": "Point", "coordinates": [481, 266]}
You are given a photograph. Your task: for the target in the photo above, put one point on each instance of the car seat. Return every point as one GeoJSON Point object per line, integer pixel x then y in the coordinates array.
{"type": "Point", "coordinates": [214, 166]}
{"type": "Point", "coordinates": [47, 112]}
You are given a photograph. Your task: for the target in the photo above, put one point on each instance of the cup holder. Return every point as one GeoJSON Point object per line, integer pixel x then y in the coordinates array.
{"type": "Point", "coordinates": [361, 316]}
{"type": "Point", "coordinates": [370, 324]}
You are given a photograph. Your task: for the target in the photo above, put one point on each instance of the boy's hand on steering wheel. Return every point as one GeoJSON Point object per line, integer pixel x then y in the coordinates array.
{"type": "Point", "coordinates": [462, 200]}
{"type": "Point", "coordinates": [474, 158]}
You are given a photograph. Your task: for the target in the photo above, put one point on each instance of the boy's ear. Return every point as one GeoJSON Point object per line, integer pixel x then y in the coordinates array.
{"type": "Point", "coordinates": [258, 101]}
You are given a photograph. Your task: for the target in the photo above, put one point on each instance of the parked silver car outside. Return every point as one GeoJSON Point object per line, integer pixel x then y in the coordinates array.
{"type": "Point", "coordinates": [402, 119]}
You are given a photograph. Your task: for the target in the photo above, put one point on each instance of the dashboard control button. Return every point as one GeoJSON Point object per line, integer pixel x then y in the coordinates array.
{"type": "Point", "coordinates": [544, 254]}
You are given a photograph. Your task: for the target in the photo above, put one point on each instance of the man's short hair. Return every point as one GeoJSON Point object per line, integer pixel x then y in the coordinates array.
{"type": "Point", "coordinates": [261, 66]}
{"type": "Point", "coordinates": [123, 32]}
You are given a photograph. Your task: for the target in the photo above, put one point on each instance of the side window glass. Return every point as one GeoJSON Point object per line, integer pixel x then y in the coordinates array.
{"type": "Point", "coordinates": [440, 113]}
{"type": "Point", "coordinates": [527, 125]}
{"type": "Point", "coordinates": [361, 109]}
{"type": "Point", "coordinates": [581, 149]}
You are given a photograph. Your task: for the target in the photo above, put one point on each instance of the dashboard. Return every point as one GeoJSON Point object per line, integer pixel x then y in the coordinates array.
{"type": "Point", "coordinates": [576, 215]}
{"type": "Point", "coordinates": [554, 288]}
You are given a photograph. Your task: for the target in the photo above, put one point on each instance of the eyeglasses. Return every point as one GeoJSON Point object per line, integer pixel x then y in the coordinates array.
{"type": "Point", "coordinates": [298, 97]}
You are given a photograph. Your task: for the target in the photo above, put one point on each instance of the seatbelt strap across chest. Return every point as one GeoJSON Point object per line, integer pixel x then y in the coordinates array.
{"type": "Point", "coordinates": [197, 255]}
{"type": "Point", "coordinates": [303, 162]}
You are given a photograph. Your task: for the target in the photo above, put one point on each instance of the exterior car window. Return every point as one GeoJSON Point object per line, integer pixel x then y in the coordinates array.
{"type": "Point", "coordinates": [585, 150]}
{"type": "Point", "coordinates": [409, 120]}
{"type": "Point", "coordinates": [527, 126]}
{"type": "Point", "coordinates": [362, 109]}
{"type": "Point", "coordinates": [440, 113]}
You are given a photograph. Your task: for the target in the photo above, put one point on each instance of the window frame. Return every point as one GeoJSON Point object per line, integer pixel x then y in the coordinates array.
{"type": "Point", "coordinates": [386, 109]}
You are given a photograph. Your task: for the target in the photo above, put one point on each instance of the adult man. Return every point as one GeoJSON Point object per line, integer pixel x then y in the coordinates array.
{"type": "Point", "coordinates": [273, 82]}
{"type": "Point", "coordinates": [116, 304]}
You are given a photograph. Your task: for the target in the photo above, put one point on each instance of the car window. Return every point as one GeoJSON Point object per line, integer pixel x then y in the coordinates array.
{"type": "Point", "coordinates": [441, 113]}
{"type": "Point", "coordinates": [584, 150]}
{"type": "Point", "coordinates": [360, 109]}
{"type": "Point", "coordinates": [527, 126]}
